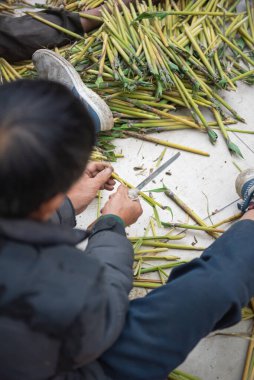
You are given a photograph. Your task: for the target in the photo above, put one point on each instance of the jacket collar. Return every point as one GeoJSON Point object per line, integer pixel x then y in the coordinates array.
{"type": "Point", "coordinates": [41, 233]}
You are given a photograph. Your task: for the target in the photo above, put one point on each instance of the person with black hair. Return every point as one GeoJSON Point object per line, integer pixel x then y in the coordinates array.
{"type": "Point", "coordinates": [59, 308]}
{"type": "Point", "coordinates": [64, 313]}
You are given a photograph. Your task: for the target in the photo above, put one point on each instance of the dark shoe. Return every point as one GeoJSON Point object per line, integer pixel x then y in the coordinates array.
{"type": "Point", "coordinates": [245, 188]}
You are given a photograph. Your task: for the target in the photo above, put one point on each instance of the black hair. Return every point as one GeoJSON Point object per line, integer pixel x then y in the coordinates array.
{"type": "Point", "coordinates": [46, 137]}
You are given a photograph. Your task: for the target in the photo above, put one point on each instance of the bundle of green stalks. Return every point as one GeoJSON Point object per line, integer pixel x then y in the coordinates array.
{"type": "Point", "coordinates": [74, 5]}
{"type": "Point", "coordinates": [149, 60]}
{"type": "Point", "coordinates": [6, 8]}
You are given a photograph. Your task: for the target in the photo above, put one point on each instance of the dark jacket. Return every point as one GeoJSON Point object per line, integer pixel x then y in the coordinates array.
{"type": "Point", "coordinates": [20, 37]}
{"type": "Point", "coordinates": [60, 308]}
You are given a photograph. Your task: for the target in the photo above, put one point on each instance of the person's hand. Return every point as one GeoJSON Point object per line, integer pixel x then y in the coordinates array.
{"type": "Point", "coordinates": [90, 24]}
{"type": "Point", "coordinates": [121, 205]}
{"type": "Point", "coordinates": [97, 176]}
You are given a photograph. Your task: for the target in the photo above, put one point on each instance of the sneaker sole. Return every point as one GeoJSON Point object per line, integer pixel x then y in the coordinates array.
{"type": "Point", "coordinates": [48, 65]}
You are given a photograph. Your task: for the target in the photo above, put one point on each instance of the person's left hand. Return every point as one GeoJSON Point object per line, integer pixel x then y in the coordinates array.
{"type": "Point", "coordinates": [97, 176]}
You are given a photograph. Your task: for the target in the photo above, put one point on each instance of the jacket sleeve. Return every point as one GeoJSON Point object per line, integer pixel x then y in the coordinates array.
{"type": "Point", "coordinates": [65, 215]}
{"type": "Point", "coordinates": [20, 37]}
{"type": "Point", "coordinates": [101, 320]}
{"type": "Point", "coordinates": [201, 296]}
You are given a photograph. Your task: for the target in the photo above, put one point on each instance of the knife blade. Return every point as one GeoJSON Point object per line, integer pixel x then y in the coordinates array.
{"type": "Point", "coordinates": [133, 193]}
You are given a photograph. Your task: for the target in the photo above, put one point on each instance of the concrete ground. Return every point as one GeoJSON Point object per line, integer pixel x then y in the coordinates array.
{"type": "Point", "coordinates": [207, 185]}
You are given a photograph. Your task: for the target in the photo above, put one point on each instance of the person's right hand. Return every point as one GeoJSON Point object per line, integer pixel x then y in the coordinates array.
{"type": "Point", "coordinates": [121, 205]}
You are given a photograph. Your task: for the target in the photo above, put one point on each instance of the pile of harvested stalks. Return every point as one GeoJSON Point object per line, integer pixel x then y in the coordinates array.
{"type": "Point", "coordinates": [146, 61]}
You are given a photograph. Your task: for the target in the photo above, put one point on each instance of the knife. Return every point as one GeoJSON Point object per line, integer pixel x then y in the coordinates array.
{"type": "Point", "coordinates": [133, 193]}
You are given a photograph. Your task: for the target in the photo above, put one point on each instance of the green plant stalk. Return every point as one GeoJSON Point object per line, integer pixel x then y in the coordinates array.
{"type": "Point", "coordinates": [148, 59]}
{"type": "Point", "coordinates": [77, 58]}
{"type": "Point", "coordinates": [231, 146]}
{"type": "Point", "coordinates": [235, 25]}
{"type": "Point", "coordinates": [235, 48]}
{"type": "Point", "coordinates": [8, 72]}
{"type": "Point", "coordinates": [157, 237]}
{"type": "Point", "coordinates": [237, 130]}
{"type": "Point", "coordinates": [102, 59]}
{"type": "Point", "coordinates": [163, 122]}
{"type": "Point", "coordinates": [152, 129]}
{"type": "Point", "coordinates": [157, 217]}
{"type": "Point", "coordinates": [89, 16]}
{"type": "Point", "coordinates": [151, 250]}
{"type": "Point", "coordinates": [200, 53]}
{"type": "Point", "coordinates": [243, 75]}
{"type": "Point", "coordinates": [185, 13]}
{"type": "Point", "coordinates": [197, 80]}
{"type": "Point", "coordinates": [99, 204]}
{"type": "Point", "coordinates": [162, 113]}
{"type": "Point", "coordinates": [185, 96]}
{"type": "Point", "coordinates": [133, 112]}
{"type": "Point", "coordinates": [125, 56]}
{"type": "Point", "coordinates": [153, 243]}
{"type": "Point", "coordinates": [10, 68]}
{"type": "Point", "coordinates": [249, 359]}
{"type": "Point", "coordinates": [165, 143]}
{"type": "Point", "coordinates": [223, 74]}
{"type": "Point", "coordinates": [163, 266]}
{"type": "Point", "coordinates": [151, 55]}
{"type": "Point", "coordinates": [138, 244]}
{"type": "Point", "coordinates": [152, 226]}
{"type": "Point", "coordinates": [224, 103]}
{"type": "Point", "coordinates": [180, 375]}
{"type": "Point", "coordinates": [5, 75]}
{"type": "Point", "coordinates": [159, 105]}
{"type": "Point", "coordinates": [162, 276]}
{"type": "Point", "coordinates": [212, 135]}
{"type": "Point", "coordinates": [234, 5]}
{"type": "Point", "coordinates": [191, 227]}
{"type": "Point", "coordinates": [146, 285]}
{"type": "Point", "coordinates": [152, 258]}
{"type": "Point", "coordinates": [55, 26]}
{"type": "Point", "coordinates": [128, 19]}
{"type": "Point", "coordinates": [247, 37]}
{"type": "Point", "coordinates": [169, 193]}
{"type": "Point", "coordinates": [120, 23]}
{"type": "Point", "coordinates": [228, 220]}
{"type": "Point", "coordinates": [251, 26]}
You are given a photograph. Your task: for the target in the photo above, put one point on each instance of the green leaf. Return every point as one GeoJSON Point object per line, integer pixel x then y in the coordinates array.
{"type": "Point", "coordinates": [159, 190]}
{"type": "Point", "coordinates": [173, 66]}
{"type": "Point", "coordinates": [80, 67]}
{"type": "Point", "coordinates": [223, 83]}
{"type": "Point", "coordinates": [234, 149]}
{"type": "Point", "coordinates": [151, 15]}
{"type": "Point", "coordinates": [240, 43]}
{"type": "Point", "coordinates": [170, 210]}
{"type": "Point", "coordinates": [212, 136]}
{"type": "Point", "coordinates": [99, 81]}
{"type": "Point", "coordinates": [156, 216]}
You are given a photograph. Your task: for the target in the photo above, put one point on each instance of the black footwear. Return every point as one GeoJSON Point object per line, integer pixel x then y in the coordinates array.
{"type": "Point", "coordinates": [245, 188]}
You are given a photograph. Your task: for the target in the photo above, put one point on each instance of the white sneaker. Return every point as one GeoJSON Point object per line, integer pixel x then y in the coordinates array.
{"type": "Point", "coordinates": [52, 66]}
